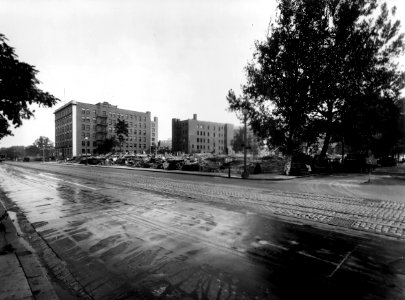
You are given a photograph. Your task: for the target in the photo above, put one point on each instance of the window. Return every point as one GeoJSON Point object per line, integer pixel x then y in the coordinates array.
{"type": "Point", "coordinates": [104, 113]}
{"type": "Point", "coordinates": [83, 127]}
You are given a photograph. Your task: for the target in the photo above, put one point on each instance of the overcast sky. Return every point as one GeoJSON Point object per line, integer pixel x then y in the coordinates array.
{"type": "Point", "coordinates": [171, 57]}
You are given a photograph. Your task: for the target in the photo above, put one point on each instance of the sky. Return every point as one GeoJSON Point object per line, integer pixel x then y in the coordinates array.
{"type": "Point", "coordinates": [174, 58]}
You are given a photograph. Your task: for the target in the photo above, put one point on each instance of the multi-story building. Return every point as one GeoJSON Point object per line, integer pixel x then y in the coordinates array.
{"type": "Point", "coordinates": [195, 136]}
{"type": "Point", "coordinates": [81, 127]}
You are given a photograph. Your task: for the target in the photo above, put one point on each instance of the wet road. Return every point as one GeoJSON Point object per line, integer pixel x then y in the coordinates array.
{"type": "Point", "coordinates": [113, 233]}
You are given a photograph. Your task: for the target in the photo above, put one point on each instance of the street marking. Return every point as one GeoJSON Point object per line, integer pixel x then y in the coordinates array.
{"type": "Point", "coordinates": [341, 263]}
{"type": "Point", "coordinates": [66, 181]}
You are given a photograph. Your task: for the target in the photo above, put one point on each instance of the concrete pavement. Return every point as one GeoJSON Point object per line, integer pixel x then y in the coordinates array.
{"type": "Point", "coordinates": [22, 276]}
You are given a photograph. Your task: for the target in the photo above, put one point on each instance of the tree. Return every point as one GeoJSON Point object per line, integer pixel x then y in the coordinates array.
{"type": "Point", "coordinates": [107, 145]}
{"type": "Point", "coordinates": [320, 56]}
{"type": "Point", "coordinates": [371, 123]}
{"type": "Point", "coordinates": [238, 142]}
{"type": "Point", "coordinates": [45, 145]}
{"type": "Point", "coordinates": [121, 129]}
{"type": "Point", "coordinates": [14, 152]}
{"type": "Point", "coordinates": [18, 90]}
{"type": "Point", "coordinates": [43, 142]}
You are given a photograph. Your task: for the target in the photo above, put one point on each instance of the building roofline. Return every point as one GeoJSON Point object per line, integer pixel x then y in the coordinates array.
{"type": "Point", "coordinates": [72, 102]}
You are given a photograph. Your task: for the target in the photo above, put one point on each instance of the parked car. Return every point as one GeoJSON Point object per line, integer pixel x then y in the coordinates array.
{"type": "Point", "coordinates": [90, 161]}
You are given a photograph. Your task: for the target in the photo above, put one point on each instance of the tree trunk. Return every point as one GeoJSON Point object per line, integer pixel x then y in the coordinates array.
{"type": "Point", "coordinates": [326, 144]}
{"type": "Point", "coordinates": [343, 148]}
{"type": "Point", "coordinates": [328, 132]}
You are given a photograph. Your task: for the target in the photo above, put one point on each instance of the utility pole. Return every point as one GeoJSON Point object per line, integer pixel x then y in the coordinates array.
{"type": "Point", "coordinates": [245, 173]}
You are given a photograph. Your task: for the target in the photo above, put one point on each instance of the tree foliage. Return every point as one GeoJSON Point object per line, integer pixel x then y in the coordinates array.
{"type": "Point", "coordinates": [18, 90]}
{"type": "Point", "coordinates": [238, 142]}
{"type": "Point", "coordinates": [121, 129]}
{"type": "Point", "coordinates": [32, 150]}
{"type": "Point", "coordinates": [107, 145]}
{"type": "Point", "coordinates": [320, 59]}
{"type": "Point", "coordinates": [43, 142]}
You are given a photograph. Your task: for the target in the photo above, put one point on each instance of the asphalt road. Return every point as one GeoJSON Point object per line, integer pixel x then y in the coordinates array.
{"type": "Point", "coordinates": [108, 233]}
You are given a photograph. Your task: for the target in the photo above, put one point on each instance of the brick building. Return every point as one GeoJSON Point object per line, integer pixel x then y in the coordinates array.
{"type": "Point", "coordinates": [78, 124]}
{"type": "Point", "coordinates": [195, 136]}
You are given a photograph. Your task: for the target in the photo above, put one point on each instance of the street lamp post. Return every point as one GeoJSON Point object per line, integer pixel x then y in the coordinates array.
{"type": "Point", "coordinates": [86, 139]}
{"type": "Point", "coordinates": [245, 173]}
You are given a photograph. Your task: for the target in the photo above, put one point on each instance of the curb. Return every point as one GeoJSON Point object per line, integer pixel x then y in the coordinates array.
{"type": "Point", "coordinates": [23, 276]}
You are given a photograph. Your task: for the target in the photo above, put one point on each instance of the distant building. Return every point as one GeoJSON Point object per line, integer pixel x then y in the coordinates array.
{"type": "Point", "coordinates": [195, 136]}
{"type": "Point", "coordinates": [154, 137]}
{"type": "Point", "coordinates": [76, 121]}
{"type": "Point", "coordinates": [166, 144]}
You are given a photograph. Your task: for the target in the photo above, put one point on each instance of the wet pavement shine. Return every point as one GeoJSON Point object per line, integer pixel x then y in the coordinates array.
{"type": "Point", "coordinates": [118, 235]}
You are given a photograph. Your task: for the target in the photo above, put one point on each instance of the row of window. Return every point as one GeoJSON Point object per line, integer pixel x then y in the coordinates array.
{"type": "Point", "coordinates": [201, 126]}
{"type": "Point", "coordinates": [64, 136]}
{"type": "Point", "coordinates": [202, 133]}
{"type": "Point", "coordinates": [203, 140]}
{"type": "Point", "coordinates": [63, 129]}
{"type": "Point", "coordinates": [139, 146]}
{"type": "Point", "coordinates": [202, 147]}
{"type": "Point", "coordinates": [64, 120]}
{"type": "Point", "coordinates": [63, 113]}
{"type": "Point", "coordinates": [115, 115]}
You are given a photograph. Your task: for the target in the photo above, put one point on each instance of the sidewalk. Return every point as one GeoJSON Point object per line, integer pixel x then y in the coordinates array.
{"type": "Point", "coordinates": [398, 170]}
{"type": "Point", "coordinates": [21, 273]}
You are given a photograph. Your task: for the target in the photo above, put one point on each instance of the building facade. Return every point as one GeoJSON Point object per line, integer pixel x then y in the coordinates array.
{"type": "Point", "coordinates": [81, 127]}
{"type": "Point", "coordinates": [195, 136]}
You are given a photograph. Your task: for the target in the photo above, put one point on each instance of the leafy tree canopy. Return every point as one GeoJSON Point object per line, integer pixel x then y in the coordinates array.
{"type": "Point", "coordinates": [43, 142]}
{"type": "Point", "coordinates": [121, 129]}
{"type": "Point", "coordinates": [318, 58]}
{"type": "Point", "coordinates": [18, 90]}
{"type": "Point", "coordinates": [107, 145]}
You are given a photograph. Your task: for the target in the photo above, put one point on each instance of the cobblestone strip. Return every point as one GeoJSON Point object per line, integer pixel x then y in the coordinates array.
{"type": "Point", "coordinates": [374, 216]}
